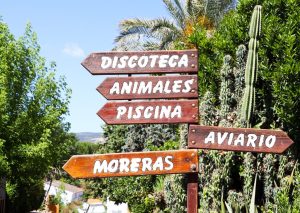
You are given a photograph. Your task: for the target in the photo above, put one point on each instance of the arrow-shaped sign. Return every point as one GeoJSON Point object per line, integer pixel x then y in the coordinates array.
{"type": "Point", "coordinates": [180, 61]}
{"type": "Point", "coordinates": [141, 112]}
{"type": "Point", "coordinates": [238, 139]}
{"type": "Point", "coordinates": [132, 164]}
{"type": "Point", "coordinates": [154, 87]}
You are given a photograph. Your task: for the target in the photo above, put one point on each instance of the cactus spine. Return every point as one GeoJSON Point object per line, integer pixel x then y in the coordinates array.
{"type": "Point", "coordinates": [251, 67]}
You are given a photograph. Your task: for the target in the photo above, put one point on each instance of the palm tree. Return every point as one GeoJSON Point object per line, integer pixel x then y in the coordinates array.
{"type": "Point", "coordinates": [161, 33]}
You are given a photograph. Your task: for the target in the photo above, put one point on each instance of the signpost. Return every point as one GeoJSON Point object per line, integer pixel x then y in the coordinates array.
{"type": "Point", "coordinates": [162, 111]}
{"type": "Point", "coordinates": [238, 139]}
{"type": "Point", "coordinates": [181, 61]}
{"type": "Point", "coordinates": [154, 87]}
{"type": "Point", "coordinates": [132, 164]}
{"type": "Point", "coordinates": [141, 112]}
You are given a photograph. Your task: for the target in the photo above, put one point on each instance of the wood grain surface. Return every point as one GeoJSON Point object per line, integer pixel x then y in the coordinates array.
{"type": "Point", "coordinates": [167, 87]}
{"type": "Point", "coordinates": [238, 139]}
{"type": "Point", "coordinates": [140, 163]}
{"type": "Point", "coordinates": [110, 111]}
{"type": "Point", "coordinates": [96, 65]}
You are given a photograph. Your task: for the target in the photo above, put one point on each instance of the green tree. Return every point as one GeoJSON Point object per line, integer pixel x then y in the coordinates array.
{"type": "Point", "coordinates": [276, 104]}
{"type": "Point", "coordinates": [163, 33]}
{"type": "Point", "coordinates": [33, 103]}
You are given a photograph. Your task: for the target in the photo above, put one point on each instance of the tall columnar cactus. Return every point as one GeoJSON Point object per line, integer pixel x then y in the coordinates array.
{"type": "Point", "coordinates": [251, 67]}
{"type": "Point", "coordinates": [227, 97]}
{"type": "Point", "coordinates": [207, 111]}
{"type": "Point", "coordinates": [227, 87]}
{"type": "Point", "coordinates": [239, 73]}
{"type": "Point", "coordinates": [248, 101]}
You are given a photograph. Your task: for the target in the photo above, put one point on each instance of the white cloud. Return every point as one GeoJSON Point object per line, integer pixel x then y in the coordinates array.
{"type": "Point", "coordinates": [73, 50]}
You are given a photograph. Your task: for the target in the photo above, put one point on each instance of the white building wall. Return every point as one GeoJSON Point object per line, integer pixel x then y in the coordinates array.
{"type": "Point", "coordinates": [67, 196]}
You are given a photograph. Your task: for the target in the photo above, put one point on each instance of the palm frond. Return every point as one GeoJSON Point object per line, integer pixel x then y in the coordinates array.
{"type": "Point", "coordinates": [215, 9]}
{"type": "Point", "coordinates": [167, 41]}
{"type": "Point", "coordinates": [162, 25]}
{"type": "Point", "coordinates": [134, 26]}
{"type": "Point", "coordinates": [195, 9]}
{"type": "Point", "coordinates": [176, 11]}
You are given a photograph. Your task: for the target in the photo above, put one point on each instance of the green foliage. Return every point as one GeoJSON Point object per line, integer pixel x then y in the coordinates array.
{"type": "Point", "coordinates": [85, 148]}
{"type": "Point", "coordinates": [163, 33]}
{"type": "Point", "coordinates": [137, 191]}
{"type": "Point", "coordinates": [287, 196]}
{"type": "Point", "coordinates": [33, 103]}
{"type": "Point", "coordinates": [276, 41]}
{"type": "Point", "coordinates": [133, 190]}
{"type": "Point", "coordinates": [175, 193]}
{"type": "Point", "coordinates": [237, 207]}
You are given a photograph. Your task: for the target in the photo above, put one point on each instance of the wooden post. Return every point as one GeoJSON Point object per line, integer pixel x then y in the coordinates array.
{"type": "Point", "coordinates": [192, 193]}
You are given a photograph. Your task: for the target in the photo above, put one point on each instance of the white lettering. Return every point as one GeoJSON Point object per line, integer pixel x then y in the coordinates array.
{"type": "Point", "coordinates": [99, 167]}
{"type": "Point", "coordinates": [187, 85]}
{"type": "Point", "coordinates": [153, 60]}
{"type": "Point", "coordinates": [165, 112]}
{"type": "Point", "coordinates": [115, 61]}
{"type": "Point", "coordinates": [166, 89]}
{"type": "Point", "coordinates": [184, 61]}
{"type": "Point", "coordinates": [124, 164]}
{"type": "Point", "coordinates": [270, 141]}
{"type": "Point", "coordinates": [146, 164]}
{"type": "Point", "coordinates": [121, 111]}
{"type": "Point", "coordinates": [251, 140]}
{"type": "Point", "coordinates": [230, 138]}
{"type": "Point", "coordinates": [113, 166]}
{"type": "Point", "coordinates": [134, 167]}
{"type": "Point", "coordinates": [145, 87]}
{"type": "Point", "coordinates": [171, 61]}
{"type": "Point", "coordinates": [132, 61]}
{"type": "Point", "coordinates": [138, 112]}
{"type": "Point", "coordinates": [158, 164]}
{"type": "Point", "coordinates": [221, 137]}
{"type": "Point", "coordinates": [176, 112]}
{"type": "Point", "coordinates": [105, 62]}
{"type": "Point", "coordinates": [177, 85]}
{"type": "Point", "coordinates": [158, 87]}
{"type": "Point", "coordinates": [168, 160]}
{"type": "Point", "coordinates": [122, 63]}
{"type": "Point", "coordinates": [163, 61]}
{"type": "Point", "coordinates": [147, 113]}
{"type": "Point", "coordinates": [210, 138]}
{"type": "Point", "coordinates": [126, 87]}
{"type": "Point", "coordinates": [143, 61]}
{"type": "Point", "coordinates": [240, 139]}
{"type": "Point", "coordinates": [115, 88]}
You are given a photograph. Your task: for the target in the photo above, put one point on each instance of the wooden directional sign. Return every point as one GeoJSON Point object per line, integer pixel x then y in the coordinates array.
{"type": "Point", "coordinates": [184, 86]}
{"type": "Point", "coordinates": [140, 112]}
{"type": "Point", "coordinates": [132, 164]}
{"type": "Point", "coordinates": [182, 61]}
{"type": "Point", "coordinates": [238, 139]}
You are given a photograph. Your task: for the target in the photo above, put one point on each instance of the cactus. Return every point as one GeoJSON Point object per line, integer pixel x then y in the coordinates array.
{"type": "Point", "coordinates": [227, 88]}
{"type": "Point", "coordinates": [251, 67]}
{"type": "Point", "coordinates": [239, 73]}
{"type": "Point", "coordinates": [175, 185]}
{"type": "Point", "coordinates": [248, 100]}
{"type": "Point", "coordinates": [207, 110]}
{"type": "Point", "coordinates": [227, 97]}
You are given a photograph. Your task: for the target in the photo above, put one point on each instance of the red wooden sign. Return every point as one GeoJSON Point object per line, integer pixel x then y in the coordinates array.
{"type": "Point", "coordinates": [132, 164]}
{"type": "Point", "coordinates": [175, 111]}
{"type": "Point", "coordinates": [117, 88]}
{"type": "Point", "coordinates": [185, 61]}
{"type": "Point", "coordinates": [238, 139]}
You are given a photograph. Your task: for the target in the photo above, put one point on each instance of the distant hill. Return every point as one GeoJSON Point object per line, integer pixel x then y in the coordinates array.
{"type": "Point", "coordinates": [93, 137]}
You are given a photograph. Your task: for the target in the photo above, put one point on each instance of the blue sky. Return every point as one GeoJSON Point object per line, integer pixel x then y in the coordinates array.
{"type": "Point", "coordinates": [67, 32]}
